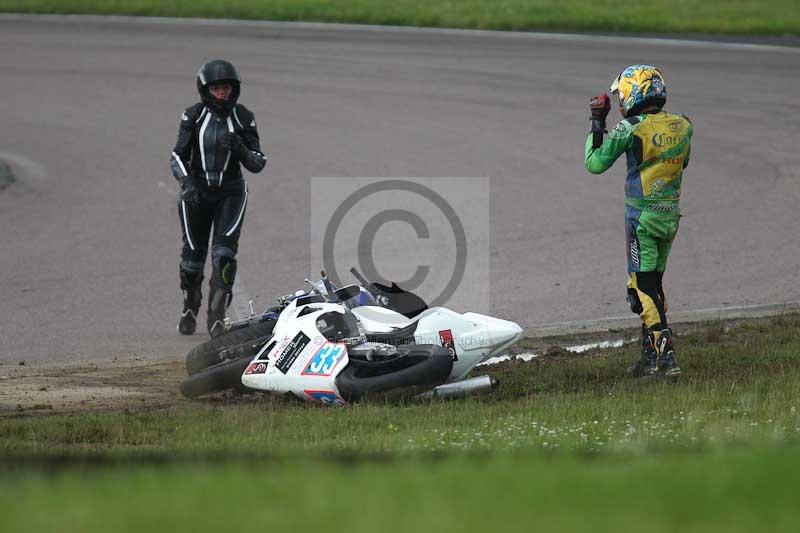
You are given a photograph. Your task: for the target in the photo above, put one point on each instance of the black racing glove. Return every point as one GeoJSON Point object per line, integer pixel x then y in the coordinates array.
{"type": "Point", "coordinates": [189, 191]}
{"type": "Point", "coordinates": [599, 105]}
{"type": "Point", "coordinates": [234, 143]}
{"type": "Point", "coordinates": [252, 160]}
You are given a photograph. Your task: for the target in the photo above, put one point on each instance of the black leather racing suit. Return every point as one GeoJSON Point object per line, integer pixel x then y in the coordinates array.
{"type": "Point", "coordinates": [216, 173]}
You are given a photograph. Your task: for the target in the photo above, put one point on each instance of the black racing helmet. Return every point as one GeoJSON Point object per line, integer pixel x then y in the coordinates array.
{"type": "Point", "coordinates": [218, 71]}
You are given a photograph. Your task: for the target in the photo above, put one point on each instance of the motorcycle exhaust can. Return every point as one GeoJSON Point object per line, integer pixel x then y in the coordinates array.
{"type": "Point", "coordinates": [459, 389]}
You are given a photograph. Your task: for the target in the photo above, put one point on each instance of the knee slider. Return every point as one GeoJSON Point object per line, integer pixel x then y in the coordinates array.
{"type": "Point", "coordinates": [223, 261]}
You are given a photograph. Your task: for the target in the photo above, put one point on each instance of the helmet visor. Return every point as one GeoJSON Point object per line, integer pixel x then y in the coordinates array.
{"type": "Point", "coordinates": [614, 85]}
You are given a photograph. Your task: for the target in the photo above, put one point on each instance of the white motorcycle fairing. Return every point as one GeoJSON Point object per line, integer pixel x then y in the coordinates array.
{"type": "Point", "coordinates": [471, 337]}
{"type": "Point", "coordinates": [301, 362]}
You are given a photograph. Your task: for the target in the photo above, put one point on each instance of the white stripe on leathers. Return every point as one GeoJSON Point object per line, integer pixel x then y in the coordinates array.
{"type": "Point", "coordinates": [202, 148]}
{"type": "Point", "coordinates": [180, 163]}
{"type": "Point", "coordinates": [228, 158]}
{"type": "Point", "coordinates": [241, 214]}
{"type": "Point", "coordinates": [186, 225]}
{"type": "Point", "coordinates": [236, 116]}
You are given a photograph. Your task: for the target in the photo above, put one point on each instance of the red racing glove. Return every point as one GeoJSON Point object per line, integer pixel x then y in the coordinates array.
{"type": "Point", "coordinates": [599, 105]}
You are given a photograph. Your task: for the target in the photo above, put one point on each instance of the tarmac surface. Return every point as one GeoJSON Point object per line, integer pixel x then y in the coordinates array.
{"type": "Point", "coordinates": [90, 109]}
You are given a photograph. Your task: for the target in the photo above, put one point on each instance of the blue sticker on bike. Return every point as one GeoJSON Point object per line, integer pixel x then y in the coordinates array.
{"type": "Point", "coordinates": [326, 397]}
{"type": "Point", "coordinates": [325, 360]}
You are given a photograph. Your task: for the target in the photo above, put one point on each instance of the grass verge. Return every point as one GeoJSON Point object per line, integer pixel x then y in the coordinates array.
{"type": "Point", "coordinates": [568, 443]}
{"type": "Point", "coordinates": [741, 385]}
{"type": "Point", "coordinates": [760, 17]}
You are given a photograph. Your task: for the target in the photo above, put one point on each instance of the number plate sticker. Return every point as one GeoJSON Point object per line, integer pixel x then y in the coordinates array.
{"type": "Point", "coordinates": [325, 360]}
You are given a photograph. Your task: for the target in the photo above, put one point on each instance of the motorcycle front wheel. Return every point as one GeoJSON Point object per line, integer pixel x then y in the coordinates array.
{"type": "Point", "coordinates": [419, 366]}
{"type": "Point", "coordinates": [239, 343]}
{"type": "Point", "coordinates": [217, 378]}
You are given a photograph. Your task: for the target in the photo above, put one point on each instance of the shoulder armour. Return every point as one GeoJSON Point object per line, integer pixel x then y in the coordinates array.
{"type": "Point", "coordinates": [632, 121]}
{"type": "Point", "coordinates": [190, 114]}
{"type": "Point", "coordinates": [623, 128]}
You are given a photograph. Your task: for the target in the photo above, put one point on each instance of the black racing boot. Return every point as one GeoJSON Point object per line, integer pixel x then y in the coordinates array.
{"type": "Point", "coordinates": [220, 295]}
{"type": "Point", "coordinates": [647, 365]}
{"type": "Point", "coordinates": [218, 301]}
{"type": "Point", "coordinates": [191, 283]}
{"type": "Point", "coordinates": [667, 360]}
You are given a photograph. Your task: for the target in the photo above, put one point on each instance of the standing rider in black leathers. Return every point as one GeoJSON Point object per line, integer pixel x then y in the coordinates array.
{"type": "Point", "coordinates": [215, 136]}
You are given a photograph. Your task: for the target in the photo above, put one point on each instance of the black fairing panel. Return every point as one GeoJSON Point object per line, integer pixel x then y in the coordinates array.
{"type": "Point", "coordinates": [404, 302]}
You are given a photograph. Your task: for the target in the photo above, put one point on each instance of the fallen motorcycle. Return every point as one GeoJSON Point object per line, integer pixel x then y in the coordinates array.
{"type": "Point", "coordinates": [327, 346]}
{"type": "Point", "coordinates": [243, 338]}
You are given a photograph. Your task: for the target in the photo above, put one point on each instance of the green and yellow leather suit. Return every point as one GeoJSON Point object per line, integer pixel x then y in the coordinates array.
{"type": "Point", "coordinates": [657, 148]}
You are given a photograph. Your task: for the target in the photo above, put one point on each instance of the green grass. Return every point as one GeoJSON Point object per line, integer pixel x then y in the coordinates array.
{"type": "Point", "coordinates": [773, 17]}
{"type": "Point", "coordinates": [741, 385]}
{"type": "Point", "coordinates": [568, 443]}
{"type": "Point", "coordinates": [728, 492]}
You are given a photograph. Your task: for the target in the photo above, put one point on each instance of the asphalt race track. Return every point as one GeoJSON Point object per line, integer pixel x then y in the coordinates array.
{"type": "Point", "coordinates": [89, 235]}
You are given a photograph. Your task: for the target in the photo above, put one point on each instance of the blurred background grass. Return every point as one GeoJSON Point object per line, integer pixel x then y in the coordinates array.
{"type": "Point", "coordinates": [758, 17]}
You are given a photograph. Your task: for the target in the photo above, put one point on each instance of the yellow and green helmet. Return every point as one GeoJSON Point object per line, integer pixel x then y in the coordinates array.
{"type": "Point", "coordinates": [639, 87]}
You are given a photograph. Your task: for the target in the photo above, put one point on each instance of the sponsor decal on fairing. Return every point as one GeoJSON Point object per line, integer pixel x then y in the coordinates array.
{"type": "Point", "coordinates": [446, 338]}
{"type": "Point", "coordinates": [256, 368]}
{"type": "Point", "coordinates": [289, 354]}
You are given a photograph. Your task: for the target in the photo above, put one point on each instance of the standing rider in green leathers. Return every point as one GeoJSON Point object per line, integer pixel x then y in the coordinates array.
{"type": "Point", "coordinates": [657, 146]}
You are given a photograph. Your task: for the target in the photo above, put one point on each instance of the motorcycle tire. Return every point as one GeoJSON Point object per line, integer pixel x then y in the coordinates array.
{"type": "Point", "coordinates": [217, 378]}
{"type": "Point", "coordinates": [415, 367]}
{"type": "Point", "coordinates": [237, 343]}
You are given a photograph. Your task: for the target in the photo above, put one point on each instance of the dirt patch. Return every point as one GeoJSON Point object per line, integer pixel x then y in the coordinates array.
{"type": "Point", "coordinates": [121, 383]}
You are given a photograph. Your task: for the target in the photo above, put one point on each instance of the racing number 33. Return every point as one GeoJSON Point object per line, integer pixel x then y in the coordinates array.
{"type": "Point", "coordinates": [325, 360]}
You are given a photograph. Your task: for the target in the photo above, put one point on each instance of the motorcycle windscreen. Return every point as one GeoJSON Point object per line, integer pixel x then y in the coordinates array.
{"type": "Point", "coordinates": [343, 327]}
